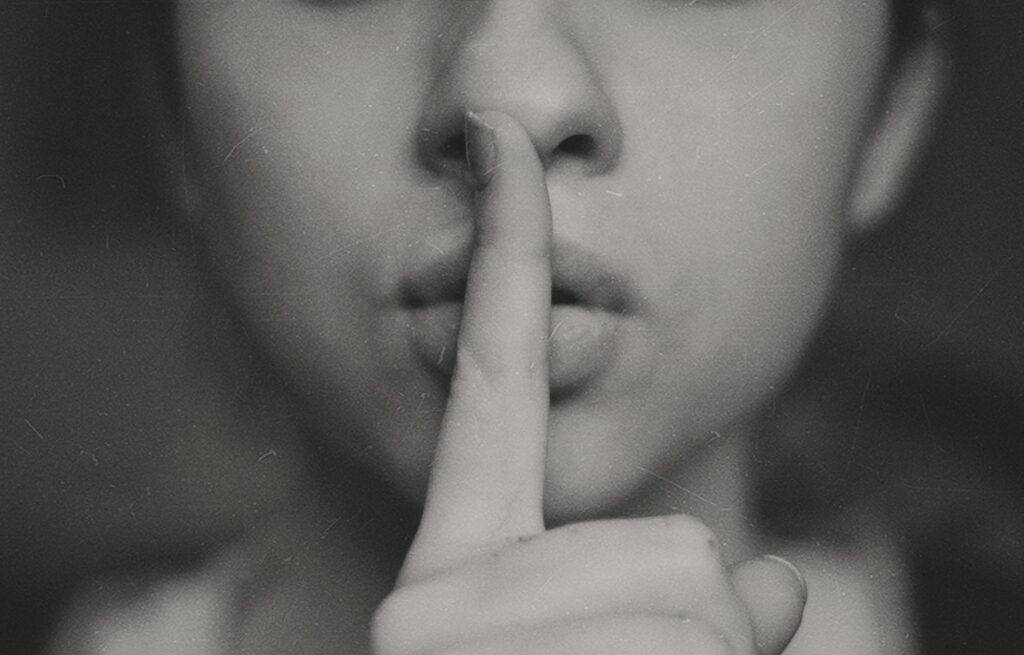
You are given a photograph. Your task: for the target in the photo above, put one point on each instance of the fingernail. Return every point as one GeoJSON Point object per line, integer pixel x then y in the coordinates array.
{"type": "Point", "coordinates": [792, 569]}
{"type": "Point", "coordinates": [481, 150]}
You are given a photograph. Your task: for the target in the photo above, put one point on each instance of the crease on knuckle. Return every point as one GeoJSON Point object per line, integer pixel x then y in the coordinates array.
{"type": "Point", "coordinates": [691, 534]}
{"type": "Point", "coordinates": [690, 554]}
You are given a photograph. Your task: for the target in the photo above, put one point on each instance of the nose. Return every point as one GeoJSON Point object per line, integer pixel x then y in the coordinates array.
{"type": "Point", "coordinates": [521, 57]}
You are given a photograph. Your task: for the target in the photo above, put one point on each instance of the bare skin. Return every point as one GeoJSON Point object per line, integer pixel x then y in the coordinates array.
{"type": "Point", "coordinates": [483, 574]}
{"type": "Point", "coordinates": [313, 217]}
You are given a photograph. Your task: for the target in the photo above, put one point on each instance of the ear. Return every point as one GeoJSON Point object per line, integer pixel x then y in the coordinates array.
{"type": "Point", "coordinates": [901, 126]}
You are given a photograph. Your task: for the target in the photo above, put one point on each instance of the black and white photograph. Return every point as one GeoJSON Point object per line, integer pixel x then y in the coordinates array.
{"type": "Point", "coordinates": [501, 327]}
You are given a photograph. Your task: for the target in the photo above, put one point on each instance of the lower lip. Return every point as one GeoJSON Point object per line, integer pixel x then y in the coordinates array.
{"type": "Point", "coordinates": [582, 343]}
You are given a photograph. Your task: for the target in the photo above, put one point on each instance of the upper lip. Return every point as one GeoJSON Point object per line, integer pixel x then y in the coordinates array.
{"type": "Point", "coordinates": [578, 276]}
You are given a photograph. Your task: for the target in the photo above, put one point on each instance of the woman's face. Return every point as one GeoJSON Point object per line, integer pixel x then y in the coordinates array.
{"type": "Point", "coordinates": [699, 156]}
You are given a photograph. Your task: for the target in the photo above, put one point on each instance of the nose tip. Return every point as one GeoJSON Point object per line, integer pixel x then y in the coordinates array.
{"type": "Point", "coordinates": [534, 72]}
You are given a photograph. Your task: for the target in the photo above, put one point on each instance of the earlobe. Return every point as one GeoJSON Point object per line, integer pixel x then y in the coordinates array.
{"type": "Point", "coordinates": [900, 129]}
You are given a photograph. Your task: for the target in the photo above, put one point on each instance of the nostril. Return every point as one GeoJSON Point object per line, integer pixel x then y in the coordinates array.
{"type": "Point", "coordinates": [580, 146]}
{"type": "Point", "coordinates": [453, 149]}
{"type": "Point", "coordinates": [563, 297]}
{"type": "Point", "coordinates": [446, 154]}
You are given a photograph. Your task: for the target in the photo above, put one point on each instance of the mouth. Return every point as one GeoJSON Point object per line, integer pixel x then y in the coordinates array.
{"type": "Point", "coordinates": [590, 303]}
{"type": "Point", "coordinates": [577, 278]}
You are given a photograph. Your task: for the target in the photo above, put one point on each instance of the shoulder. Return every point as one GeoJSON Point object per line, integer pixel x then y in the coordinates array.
{"type": "Point", "coordinates": [187, 613]}
{"type": "Point", "coordinates": [860, 592]}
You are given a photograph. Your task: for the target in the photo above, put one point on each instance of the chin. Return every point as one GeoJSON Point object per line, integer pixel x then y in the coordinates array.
{"type": "Point", "coordinates": [588, 474]}
{"type": "Point", "coordinates": [594, 472]}
{"type": "Point", "coordinates": [573, 497]}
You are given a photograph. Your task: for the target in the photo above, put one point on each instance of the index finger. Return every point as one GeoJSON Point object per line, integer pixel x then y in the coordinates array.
{"type": "Point", "coordinates": [487, 480]}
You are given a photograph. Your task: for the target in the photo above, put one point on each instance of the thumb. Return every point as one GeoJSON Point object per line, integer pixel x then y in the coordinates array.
{"type": "Point", "coordinates": [774, 593]}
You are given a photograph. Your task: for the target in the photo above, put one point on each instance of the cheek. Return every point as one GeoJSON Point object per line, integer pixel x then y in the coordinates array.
{"type": "Point", "coordinates": [747, 171]}
{"type": "Point", "coordinates": [302, 120]}
{"type": "Point", "coordinates": [751, 260]}
{"type": "Point", "coordinates": [307, 216]}
{"type": "Point", "coordinates": [757, 249]}
{"type": "Point", "coordinates": [295, 153]}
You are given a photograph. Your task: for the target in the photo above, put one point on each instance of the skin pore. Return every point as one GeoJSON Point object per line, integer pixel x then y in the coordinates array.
{"type": "Point", "coordinates": [701, 165]}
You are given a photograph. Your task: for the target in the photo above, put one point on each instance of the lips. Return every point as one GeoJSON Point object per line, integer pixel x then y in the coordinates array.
{"type": "Point", "coordinates": [590, 303]}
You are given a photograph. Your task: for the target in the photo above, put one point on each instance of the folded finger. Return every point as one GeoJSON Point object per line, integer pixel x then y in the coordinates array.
{"type": "Point", "coordinates": [668, 566]}
{"type": "Point", "coordinates": [611, 635]}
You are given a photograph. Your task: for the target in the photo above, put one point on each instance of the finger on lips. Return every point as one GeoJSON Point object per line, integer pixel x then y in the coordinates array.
{"type": "Point", "coordinates": [488, 475]}
{"type": "Point", "coordinates": [482, 575]}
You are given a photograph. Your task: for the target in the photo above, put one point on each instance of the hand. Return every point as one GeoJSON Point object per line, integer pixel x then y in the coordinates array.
{"type": "Point", "coordinates": [483, 576]}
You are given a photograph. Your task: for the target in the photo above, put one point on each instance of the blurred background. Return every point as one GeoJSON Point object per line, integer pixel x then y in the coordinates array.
{"type": "Point", "coordinates": [118, 447]}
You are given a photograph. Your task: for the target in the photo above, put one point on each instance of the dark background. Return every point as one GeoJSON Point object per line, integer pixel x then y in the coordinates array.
{"type": "Point", "coordinates": [107, 415]}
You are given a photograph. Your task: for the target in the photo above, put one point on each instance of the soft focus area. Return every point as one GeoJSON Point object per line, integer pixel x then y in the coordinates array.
{"type": "Point", "coordinates": [126, 442]}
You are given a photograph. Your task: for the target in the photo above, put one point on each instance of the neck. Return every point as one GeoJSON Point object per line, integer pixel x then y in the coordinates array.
{"type": "Point", "coordinates": [328, 562]}
{"type": "Point", "coordinates": [352, 537]}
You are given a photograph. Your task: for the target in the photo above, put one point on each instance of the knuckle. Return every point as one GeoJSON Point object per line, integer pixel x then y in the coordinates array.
{"type": "Point", "coordinates": [691, 533]}
{"type": "Point", "coordinates": [692, 554]}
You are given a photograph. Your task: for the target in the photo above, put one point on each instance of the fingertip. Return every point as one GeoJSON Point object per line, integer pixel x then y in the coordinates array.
{"type": "Point", "coordinates": [510, 137]}
{"type": "Point", "coordinates": [774, 592]}
{"type": "Point", "coordinates": [487, 479]}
